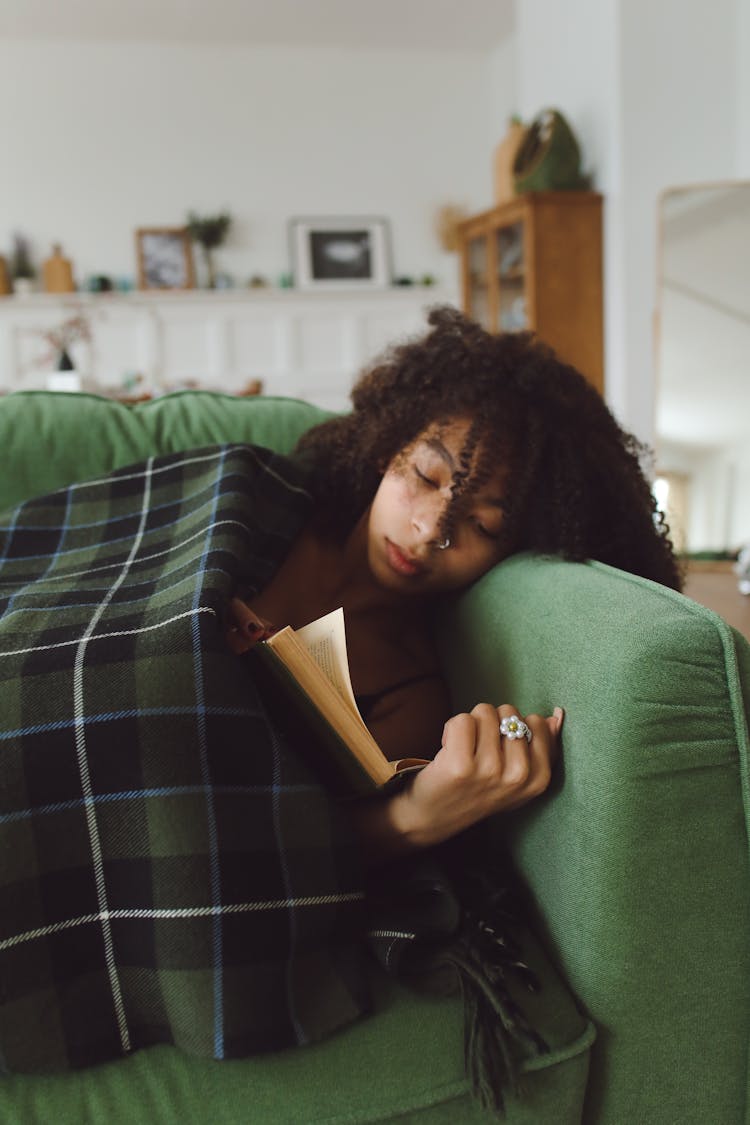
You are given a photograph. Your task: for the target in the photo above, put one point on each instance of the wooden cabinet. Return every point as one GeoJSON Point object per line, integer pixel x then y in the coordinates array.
{"type": "Point", "coordinates": [536, 263]}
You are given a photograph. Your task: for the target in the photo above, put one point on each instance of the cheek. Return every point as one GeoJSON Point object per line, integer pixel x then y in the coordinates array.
{"type": "Point", "coordinates": [392, 498]}
{"type": "Point", "coordinates": [477, 560]}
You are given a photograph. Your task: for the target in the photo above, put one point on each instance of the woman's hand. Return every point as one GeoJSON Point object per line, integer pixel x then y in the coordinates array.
{"type": "Point", "coordinates": [476, 772]}
{"type": "Point", "coordinates": [244, 628]}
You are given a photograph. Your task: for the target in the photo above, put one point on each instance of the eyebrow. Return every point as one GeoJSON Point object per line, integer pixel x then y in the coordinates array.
{"type": "Point", "coordinates": [436, 445]}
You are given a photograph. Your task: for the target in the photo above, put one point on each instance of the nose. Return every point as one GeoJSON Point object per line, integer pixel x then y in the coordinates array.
{"type": "Point", "coordinates": [426, 520]}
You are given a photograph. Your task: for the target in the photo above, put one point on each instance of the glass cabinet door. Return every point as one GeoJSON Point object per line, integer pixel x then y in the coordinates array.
{"type": "Point", "coordinates": [478, 281]}
{"type": "Point", "coordinates": [511, 278]}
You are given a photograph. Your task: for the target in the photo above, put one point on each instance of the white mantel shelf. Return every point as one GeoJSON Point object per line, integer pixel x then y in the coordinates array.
{"type": "Point", "coordinates": [310, 344]}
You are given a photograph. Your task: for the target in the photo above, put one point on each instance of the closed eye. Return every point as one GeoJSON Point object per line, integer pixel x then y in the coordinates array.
{"type": "Point", "coordinates": [425, 479]}
{"type": "Point", "coordinates": [488, 533]}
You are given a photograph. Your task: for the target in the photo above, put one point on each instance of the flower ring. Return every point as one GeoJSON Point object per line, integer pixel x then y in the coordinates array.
{"type": "Point", "coordinates": [513, 727]}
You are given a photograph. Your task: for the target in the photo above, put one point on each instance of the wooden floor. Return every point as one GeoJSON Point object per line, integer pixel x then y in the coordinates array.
{"type": "Point", "coordinates": [715, 585]}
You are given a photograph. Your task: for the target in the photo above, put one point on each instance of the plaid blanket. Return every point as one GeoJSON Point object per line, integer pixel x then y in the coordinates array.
{"type": "Point", "coordinates": [170, 871]}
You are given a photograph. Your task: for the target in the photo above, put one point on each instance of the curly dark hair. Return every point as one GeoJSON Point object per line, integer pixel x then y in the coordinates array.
{"type": "Point", "coordinates": [575, 484]}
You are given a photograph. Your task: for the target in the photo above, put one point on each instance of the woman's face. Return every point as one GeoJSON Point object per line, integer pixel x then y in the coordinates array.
{"type": "Point", "coordinates": [405, 517]}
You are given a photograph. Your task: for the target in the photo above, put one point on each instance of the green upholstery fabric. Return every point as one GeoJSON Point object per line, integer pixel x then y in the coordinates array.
{"type": "Point", "coordinates": [50, 439]}
{"type": "Point", "coordinates": [637, 858]}
{"type": "Point", "coordinates": [403, 1063]}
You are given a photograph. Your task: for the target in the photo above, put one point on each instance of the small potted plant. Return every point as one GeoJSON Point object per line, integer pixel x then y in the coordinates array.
{"type": "Point", "coordinates": [61, 338]}
{"type": "Point", "coordinates": [209, 231]}
{"type": "Point", "coordinates": [21, 268]}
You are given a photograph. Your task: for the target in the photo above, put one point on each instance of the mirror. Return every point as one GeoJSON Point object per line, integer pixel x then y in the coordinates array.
{"type": "Point", "coordinates": [703, 367]}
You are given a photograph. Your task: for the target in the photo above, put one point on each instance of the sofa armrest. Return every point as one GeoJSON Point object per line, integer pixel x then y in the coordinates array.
{"type": "Point", "coordinates": [637, 857]}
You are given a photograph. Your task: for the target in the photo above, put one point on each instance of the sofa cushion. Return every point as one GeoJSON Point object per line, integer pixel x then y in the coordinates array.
{"type": "Point", "coordinates": [49, 440]}
{"type": "Point", "coordinates": [404, 1063]}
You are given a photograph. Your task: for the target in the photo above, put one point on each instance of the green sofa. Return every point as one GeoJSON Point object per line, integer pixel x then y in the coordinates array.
{"type": "Point", "coordinates": [637, 858]}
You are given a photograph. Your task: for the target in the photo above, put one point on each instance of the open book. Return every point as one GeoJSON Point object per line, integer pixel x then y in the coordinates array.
{"type": "Point", "coordinates": [311, 667]}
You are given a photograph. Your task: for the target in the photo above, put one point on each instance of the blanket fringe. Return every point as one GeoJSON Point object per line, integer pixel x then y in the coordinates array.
{"type": "Point", "coordinates": [463, 916]}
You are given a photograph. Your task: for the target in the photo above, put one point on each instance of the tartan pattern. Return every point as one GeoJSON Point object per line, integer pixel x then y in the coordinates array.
{"type": "Point", "coordinates": [170, 871]}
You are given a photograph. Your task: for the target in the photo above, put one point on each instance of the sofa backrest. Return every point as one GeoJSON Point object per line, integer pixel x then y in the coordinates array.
{"type": "Point", "coordinates": [50, 439]}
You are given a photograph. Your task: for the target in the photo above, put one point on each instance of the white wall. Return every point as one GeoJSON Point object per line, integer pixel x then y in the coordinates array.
{"type": "Point", "coordinates": [99, 139]}
{"type": "Point", "coordinates": [503, 100]}
{"type": "Point", "coordinates": [651, 89]}
{"type": "Point", "coordinates": [679, 125]}
{"type": "Point", "coordinates": [743, 97]}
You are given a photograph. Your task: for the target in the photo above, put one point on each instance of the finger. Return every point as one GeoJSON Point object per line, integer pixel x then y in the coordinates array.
{"type": "Point", "coordinates": [544, 750]}
{"type": "Point", "coordinates": [489, 743]}
{"type": "Point", "coordinates": [245, 620]}
{"type": "Point", "coordinates": [528, 762]}
{"type": "Point", "coordinates": [559, 717]}
{"type": "Point", "coordinates": [485, 716]}
{"type": "Point", "coordinates": [459, 740]}
{"type": "Point", "coordinates": [507, 712]}
{"type": "Point", "coordinates": [517, 763]}
{"type": "Point", "coordinates": [554, 724]}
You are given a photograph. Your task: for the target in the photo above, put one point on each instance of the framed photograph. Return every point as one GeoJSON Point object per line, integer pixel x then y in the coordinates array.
{"type": "Point", "coordinates": [165, 258]}
{"type": "Point", "coordinates": [341, 253]}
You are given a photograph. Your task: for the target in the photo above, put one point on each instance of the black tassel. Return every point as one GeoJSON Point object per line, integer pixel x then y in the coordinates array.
{"type": "Point", "coordinates": [497, 1036]}
{"type": "Point", "coordinates": [447, 915]}
{"type": "Point", "coordinates": [486, 957]}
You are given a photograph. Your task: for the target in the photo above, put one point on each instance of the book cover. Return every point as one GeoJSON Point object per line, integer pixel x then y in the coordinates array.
{"type": "Point", "coordinates": [310, 668]}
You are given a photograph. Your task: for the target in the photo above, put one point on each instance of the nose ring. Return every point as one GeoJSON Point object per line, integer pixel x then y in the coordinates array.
{"type": "Point", "coordinates": [443, 545]}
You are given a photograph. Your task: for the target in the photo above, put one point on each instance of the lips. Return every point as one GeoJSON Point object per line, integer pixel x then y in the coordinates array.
{"type": "Point", "coordinates": [402, 563]}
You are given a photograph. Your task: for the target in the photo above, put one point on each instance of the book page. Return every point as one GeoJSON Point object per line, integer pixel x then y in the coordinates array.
{"type": "Point", "coordinates": [325, 641]}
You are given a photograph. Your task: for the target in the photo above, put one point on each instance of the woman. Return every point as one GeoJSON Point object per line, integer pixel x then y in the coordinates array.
{"type": "Point", "coordinates": [462, 448]}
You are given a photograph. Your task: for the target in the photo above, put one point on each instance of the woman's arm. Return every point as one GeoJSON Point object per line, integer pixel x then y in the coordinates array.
{"type": "Point", "coordinates": [475, 773]}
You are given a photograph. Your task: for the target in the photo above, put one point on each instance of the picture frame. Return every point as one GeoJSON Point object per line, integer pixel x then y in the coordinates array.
{"type": "Point", "coordinates": [165, 258]}
{"type": "Point", "coordinates": [345, 252]}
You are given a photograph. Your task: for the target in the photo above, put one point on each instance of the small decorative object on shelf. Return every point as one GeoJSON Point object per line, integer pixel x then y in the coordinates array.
{"type": "Point", "coordinates": [99, 283]}
{"type": "Point", "coordinates": [57, 273]}
{"type": "Point", "coordinates": [64, 377]}
{"type": "Point", "coordinates": [548, 158]}
{"type": "Point", "coordinates": [5, 285]}
{"type": "Point", "coordinates": [64, 362]}
{"type": "Point", "coordinates": [165, 259]}
{"type": "Point", "coordinates": [251, 387]}
{"type": "Point", "coordinates": [209, 231]}
{"type": "Point", "coordinates": [341, 253]}
{"type": "Point", "coordinates": [134, 389]}
{"type": "Point", "coordinates": [21, 267]}
{"type": "Point", "coordinates": [447, 219]}
{"type": "Point", "coordinates": [505, 155]}
{"type": "Point", "coordinates": [61, 339]}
